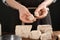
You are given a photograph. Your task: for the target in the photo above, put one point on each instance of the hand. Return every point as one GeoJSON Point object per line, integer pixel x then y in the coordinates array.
{"type": "Point", "coordinates": [41, 11]}
{"type": "Point", "coordinates": [24, 15]}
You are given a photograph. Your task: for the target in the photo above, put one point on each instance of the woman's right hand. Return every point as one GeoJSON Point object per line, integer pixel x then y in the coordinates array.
{"type": "Point", "coordinates": [24, 15]}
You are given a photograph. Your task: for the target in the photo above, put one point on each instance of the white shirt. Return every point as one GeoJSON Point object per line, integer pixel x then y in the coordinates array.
{"type": "Point", "coordinates": [4, 1]}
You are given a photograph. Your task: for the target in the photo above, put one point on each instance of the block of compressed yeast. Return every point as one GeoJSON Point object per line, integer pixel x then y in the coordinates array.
{"type": "Point", "coordinates": [46, 36]}
{"type": "Point", "coordinates": [23, 30]}
{"type": "Point", "coordinates": [35, 34]}
{"type": "Point", "coordinates": [45, 28]}
{"type": "Point", "coordinates": [36, 14]}
{"type": "Point", "coordinates": [31, 17]}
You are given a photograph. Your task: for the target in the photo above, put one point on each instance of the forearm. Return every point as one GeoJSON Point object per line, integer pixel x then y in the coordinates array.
{"type": "Point", "coordinates": [14, 4]}
{"type": "Point", "coordinates": [47, 2]}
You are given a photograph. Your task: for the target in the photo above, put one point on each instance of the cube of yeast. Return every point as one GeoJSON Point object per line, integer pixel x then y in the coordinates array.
{"type": "Point", "coordinates": [36, 14]}
{"type": "Point", "coordinates": [35, 34]}
{"type": "Point", "coordinates": [45, 28]}
{"type": "Point", "coordinates": [23, 30]}
{"type": "Point", "coordinates": [46, 36]}
{"type": "Point", "coordinates": [31, 17]}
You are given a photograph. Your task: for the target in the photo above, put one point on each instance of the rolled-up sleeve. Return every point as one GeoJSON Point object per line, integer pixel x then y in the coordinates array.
{"type": "Point", "coordinates": [4, 1]}
{"type": "Point", "coordinates": [54, 1]}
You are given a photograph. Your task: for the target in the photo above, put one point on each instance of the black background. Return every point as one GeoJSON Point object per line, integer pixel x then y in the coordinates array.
{"type": "Point", "coordinates": [55, 14]}
{"type": "Point", "coordinates": [54, 10]}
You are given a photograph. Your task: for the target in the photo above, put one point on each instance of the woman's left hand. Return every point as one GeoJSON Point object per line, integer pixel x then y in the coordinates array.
{"type": "Point", "coordinates": [41, 11]}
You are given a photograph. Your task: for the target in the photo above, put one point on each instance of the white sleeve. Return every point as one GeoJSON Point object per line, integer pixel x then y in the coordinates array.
{"type": "Point", "coordinates": [4, 1]}
{"type": "Point", "coordinates": [54, 1]}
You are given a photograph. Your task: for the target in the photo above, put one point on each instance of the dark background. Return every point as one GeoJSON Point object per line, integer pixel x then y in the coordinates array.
{"type": "Point", "coordinates": [54, 10]}
{"type": "Point", "coordinates": [55, 14]}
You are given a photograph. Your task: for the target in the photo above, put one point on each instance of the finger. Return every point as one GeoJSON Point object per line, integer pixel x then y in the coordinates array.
{"type": "Point", "coordinates": [38, 8]}
{"type": "Point", "coordinates": [25, 20]}
{"type": "Point", "coordinates": [44, 13]}
{"type": "Point", "coordinates": [31, 17]}
{"type": "Point", "coordinates": [28, 13]}
{"type": "Point", "coordinates": [38, 14]}
{"type": "Point", "coordinates": [38, 11]}
{"type": "Point", "coordinates": [34, 20]}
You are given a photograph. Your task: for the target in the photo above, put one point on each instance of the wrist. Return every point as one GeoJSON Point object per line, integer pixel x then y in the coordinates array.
{"type": "Point", "coordinates": [20, 7]}
{"type": "Point", "coordinates": [42, 5]}
{"type": "Point", "coordinates": [47, 2]}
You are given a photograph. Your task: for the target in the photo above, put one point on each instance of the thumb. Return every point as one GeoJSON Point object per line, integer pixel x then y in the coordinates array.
{"type": "Point", "coordinates": [28, 13]}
